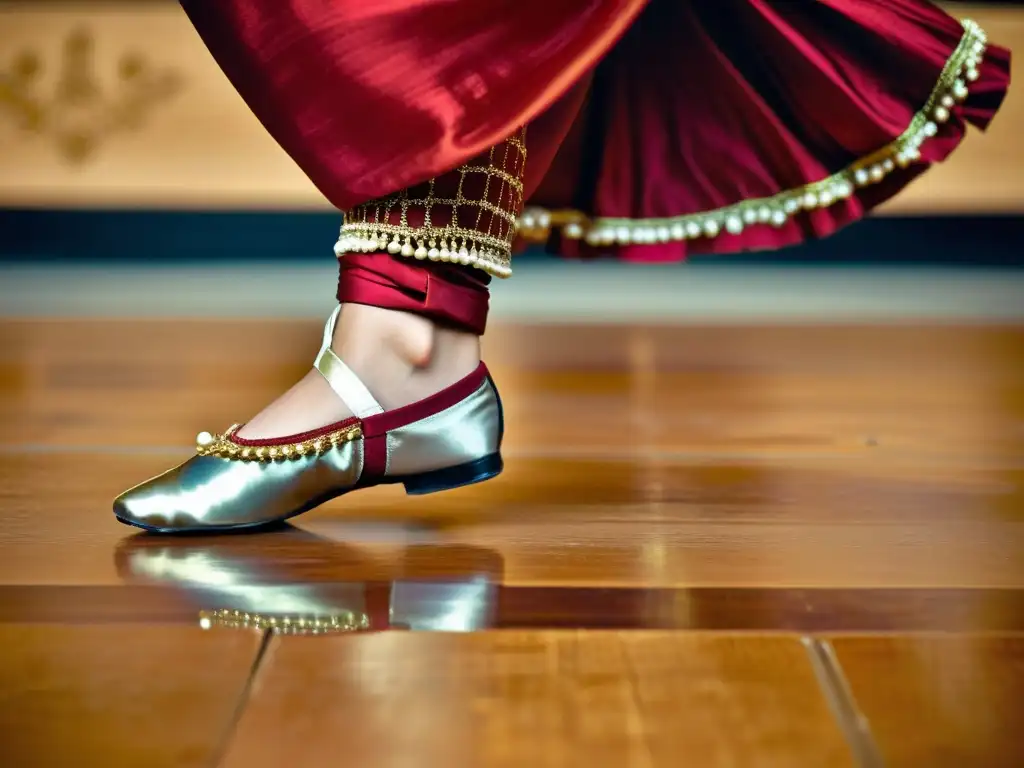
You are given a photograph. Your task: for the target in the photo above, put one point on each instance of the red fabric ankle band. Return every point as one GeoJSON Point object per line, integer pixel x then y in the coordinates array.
{"type": "Point", "coordinates": [446, 293]}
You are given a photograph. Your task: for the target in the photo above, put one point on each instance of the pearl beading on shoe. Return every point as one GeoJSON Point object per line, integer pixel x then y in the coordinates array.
{"type": "Point", "coordinates": [225, 447]}
{"type": "Point", "coordinates": [951, 89]}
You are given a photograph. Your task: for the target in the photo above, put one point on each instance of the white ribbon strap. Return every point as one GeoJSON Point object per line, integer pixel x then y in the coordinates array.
{"type": "Point", "coordinates": [343, 381]}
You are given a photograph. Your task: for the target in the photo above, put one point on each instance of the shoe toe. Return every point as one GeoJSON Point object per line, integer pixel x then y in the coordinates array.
{"type": "Point", "coordinates": [210, 494]}
{"type": "Point", "coordinates": [150, 507]}
{"type": "Point", "coordinates": [161, 504]}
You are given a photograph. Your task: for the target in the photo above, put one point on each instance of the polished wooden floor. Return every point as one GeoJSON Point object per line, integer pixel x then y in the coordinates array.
{"type": "Point", "coordinates": [718, 546]}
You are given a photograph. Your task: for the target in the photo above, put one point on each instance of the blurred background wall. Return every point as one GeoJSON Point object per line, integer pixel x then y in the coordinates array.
{"type": "Point", "coordinates": [119, 136]}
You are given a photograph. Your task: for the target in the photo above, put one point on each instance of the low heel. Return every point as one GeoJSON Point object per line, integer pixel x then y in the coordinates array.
{"type": "Point", "coordinates": [454, 477]}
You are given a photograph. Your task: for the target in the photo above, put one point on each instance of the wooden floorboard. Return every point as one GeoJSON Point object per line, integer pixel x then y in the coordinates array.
{"type": "Point", "coordinates": [119, 696]}
{"type": "Point", "coordinates": [942, 701]}
{"type": "Point", "coordinates": [535, 698]}
{"type": "Point", "coordinates": [715, 526]}
{"type": "Point", "coordinates": [690, 521]}
{"type": "Point", "coordinates": [757, 609]}
{"type": "Point", "coordinates": [907, 393]}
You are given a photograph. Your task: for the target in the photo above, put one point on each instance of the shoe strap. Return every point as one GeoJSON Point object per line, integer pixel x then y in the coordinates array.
{"type": "Point", "coordinates": [343, 381]}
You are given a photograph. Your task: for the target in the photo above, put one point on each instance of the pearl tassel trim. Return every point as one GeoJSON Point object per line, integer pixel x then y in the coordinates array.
{"type": "Point", "coordinates": [486, 245]}
{"type": "Point", "coordinates": [951, 89]}
{"type": "Point", "coordinates": [455, 245]}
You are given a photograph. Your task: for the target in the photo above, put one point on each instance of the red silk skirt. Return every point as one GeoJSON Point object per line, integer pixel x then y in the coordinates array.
{"type": "Point", "coordinates": [637, 109]}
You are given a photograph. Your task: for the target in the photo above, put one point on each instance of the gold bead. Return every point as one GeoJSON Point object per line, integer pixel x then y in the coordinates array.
{"type": "Point", "coordinates": [272, 453]}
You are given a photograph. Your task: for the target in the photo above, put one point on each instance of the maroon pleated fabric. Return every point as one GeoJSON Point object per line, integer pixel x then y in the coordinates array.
{"type": "Point", "coordinates": [702, 105]}
{"type": "Point", "coordinates": [370, 96]}
{"type": "Point", "coordinates": [636, 108]}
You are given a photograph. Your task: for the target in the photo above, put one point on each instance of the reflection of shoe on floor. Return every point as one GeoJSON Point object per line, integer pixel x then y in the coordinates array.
{"type": "Point", "coordinates": [281, 557]}
{"type": "Point", "coordinates": [295, 582]}
{"type": "Point", "coordinates": [445, 441]}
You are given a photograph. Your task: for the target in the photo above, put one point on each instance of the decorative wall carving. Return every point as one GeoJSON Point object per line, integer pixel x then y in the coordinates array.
{"type": "Point", "coordinates": [76, 107]}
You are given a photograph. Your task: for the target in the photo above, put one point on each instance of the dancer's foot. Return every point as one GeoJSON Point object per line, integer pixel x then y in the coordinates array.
{"type": "Point", "coordinates": [428, 417]}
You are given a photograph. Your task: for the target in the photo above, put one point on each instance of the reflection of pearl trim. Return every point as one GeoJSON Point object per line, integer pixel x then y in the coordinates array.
{"type": "Point", "coordinates": [286, 625]}
{"type": "Point", "coordinates": [951, 88]}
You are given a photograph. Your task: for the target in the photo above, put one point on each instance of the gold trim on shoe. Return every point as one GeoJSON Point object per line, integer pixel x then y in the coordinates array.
{"type": "Point", "coordinates": [961, 68]}
{"type": "Point", "coordinates": [224, 445]}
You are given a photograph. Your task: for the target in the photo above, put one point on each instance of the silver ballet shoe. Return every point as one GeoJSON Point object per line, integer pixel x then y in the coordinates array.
{"type": "Point", "coordinates": [445, 441]}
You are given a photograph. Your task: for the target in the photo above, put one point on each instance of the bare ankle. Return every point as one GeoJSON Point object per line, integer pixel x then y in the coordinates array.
{"type": "Point", "coordinates": [455, 350]}
{"type": "Point", "coordinates": [401, 355]}
{"type": "Point", "coordinates": [365, 333]}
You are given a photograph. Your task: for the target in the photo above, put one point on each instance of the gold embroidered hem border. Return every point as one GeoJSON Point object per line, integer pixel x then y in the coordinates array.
{"type": "Point", "coordinates": [366, 230]}
{"type": "Point", "coordinates": [961, 68]}
{"type": "Point", "coordinates": [484, 242]}
{"type": "Point", "coordinates": [226, 448]}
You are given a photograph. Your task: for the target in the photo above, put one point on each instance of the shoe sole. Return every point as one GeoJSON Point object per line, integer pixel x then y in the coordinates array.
{"type": "Point", "coordinates": [423, 484]}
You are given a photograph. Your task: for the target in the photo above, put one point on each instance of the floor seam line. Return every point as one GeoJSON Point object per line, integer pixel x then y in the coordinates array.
{"type": "Point", "coordinates": [242, 704]}
{"type": "Point", "coordinates": [839, 697]}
